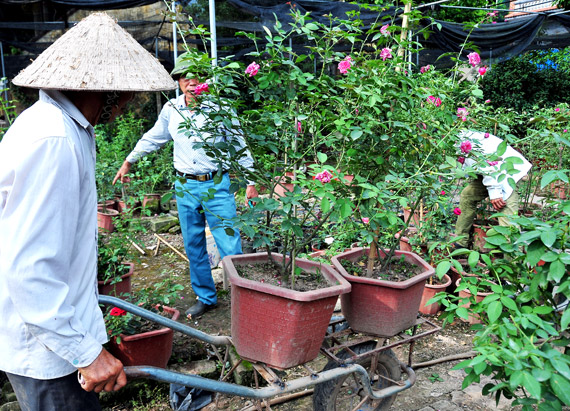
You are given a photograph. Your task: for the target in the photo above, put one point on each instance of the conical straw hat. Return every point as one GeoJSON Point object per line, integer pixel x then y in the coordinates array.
{"type": "Point", "coordinates": [96, 55]}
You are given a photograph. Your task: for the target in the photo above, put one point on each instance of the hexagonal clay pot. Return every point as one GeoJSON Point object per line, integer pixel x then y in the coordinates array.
{"type": "Point", "coordinates": [381, 307]}
{"type": "Point", "coordinates": [279, 326]}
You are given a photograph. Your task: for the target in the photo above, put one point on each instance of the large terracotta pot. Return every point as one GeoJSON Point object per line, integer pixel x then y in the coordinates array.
{"type": "Point", "coordinates": [108, 204]}
{"type": "Point", "coordinates": [275, 325]}
{"type": "Point", "coordinates": [118, 288]}
{"type": "Point", "coordinates": [105, 219]}
{"type": "Point", "coordinates": [152, 348]}
{"type": "Point", "coordinates": [380, 307]}
{"type": "Point", "coordinates": [430, 290]}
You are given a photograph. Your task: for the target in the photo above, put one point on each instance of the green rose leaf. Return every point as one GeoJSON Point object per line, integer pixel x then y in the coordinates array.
{"type": "Point", "coordinates": [494, 311]}
{"type": "Point", "coordinates": [531, 385]}
{"type": "Point", "coordinates": [561, 388]}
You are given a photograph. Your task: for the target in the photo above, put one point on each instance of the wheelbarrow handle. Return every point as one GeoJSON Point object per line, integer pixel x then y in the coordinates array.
{"type": "Point", "coordinates": [189, 380]}
{"type": "Point", "coordinates": [167, 322]}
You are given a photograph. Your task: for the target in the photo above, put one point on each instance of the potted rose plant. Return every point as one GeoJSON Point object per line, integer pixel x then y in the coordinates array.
{"type": "Point", "coordinates": [114, 270]}
{"type": "Point", "coordinates": [136, 341]}
{"type": "Point", "coordinates": [354, 112]}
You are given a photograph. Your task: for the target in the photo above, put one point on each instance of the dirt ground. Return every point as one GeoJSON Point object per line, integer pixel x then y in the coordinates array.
{"type": "Point", "coordinates": [438, 387]}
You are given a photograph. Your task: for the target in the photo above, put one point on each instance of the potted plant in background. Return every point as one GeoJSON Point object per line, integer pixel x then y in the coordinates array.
{"type": "Point", "coordinates": [113, 269]}
{"type": "Point", "coordinates": [147, 179]}
{"type": "Point", "coordinates": [106, 211]}
{"type": "Point", "coordinates": [136, 341]}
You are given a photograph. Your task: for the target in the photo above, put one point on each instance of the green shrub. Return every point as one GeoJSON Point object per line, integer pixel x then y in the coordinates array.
{"type": "Point", "coordinates": [524, 82]}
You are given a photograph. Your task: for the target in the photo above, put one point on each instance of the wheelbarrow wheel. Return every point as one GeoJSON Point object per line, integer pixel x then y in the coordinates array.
{"type": "Point", "coordinates": [345, 393]}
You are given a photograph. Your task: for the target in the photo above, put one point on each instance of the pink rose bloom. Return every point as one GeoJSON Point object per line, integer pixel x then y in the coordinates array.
{"type": "Point", "coordinates": [434, 100]}
{"type": "Point", "coordinates": [493, 22]}
{"type": "Point", "coordinates": [252, 69]}
{"type": "Point", "coordinates": [556, 109]}
{"type": "Point", "coordinates": [442, 193]}
{"type": "Point", "coordinates": [457, 211]}
{"type": "Point", "coordinates": [384, 30]}
{"type": "Point", "coordinates": [323, 177]}
{"type": "Point", "coordinates": [474, 59]}
{"type": "Point", "coordinates": [386, 53]}
{"type": "Point", "coordinates": [425, 69]}
{"type": "Point", "coordinates": [487, 135]}
{"type": "Point", "coordinates": [299, 128]}
{"type": "Point", "coordinates": [492, 163]}
{"type": "Point", "coordinates": [482, 71]}
{"type": "Point", "coordinates": [462, 113]}
{"type": "Point", "coordinates": [201, 88]}
{"type": "Point", "coordinates": [461, 160]}
{"type": "Point", "coordinates": [487, 101]}
{"type": "Point", "coordinates": [365, 220]}
{"type": "Point", "coordinates": [356, 110]}
{"type": "Point", "coordinates": [565, 130]}
{"type": "Point", "coordinates": [344, 65]}
{"type": "Point", "coordinates": [466, 147]}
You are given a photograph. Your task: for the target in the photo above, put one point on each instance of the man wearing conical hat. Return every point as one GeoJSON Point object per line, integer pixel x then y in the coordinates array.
{"type": "Point", "coordinates": [51, 326]}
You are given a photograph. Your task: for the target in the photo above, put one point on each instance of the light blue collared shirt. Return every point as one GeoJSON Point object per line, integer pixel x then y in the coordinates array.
{"type": "Point", "coordinates": [50, 323]}
{"type": "Point", "coordinates": [187, 158]}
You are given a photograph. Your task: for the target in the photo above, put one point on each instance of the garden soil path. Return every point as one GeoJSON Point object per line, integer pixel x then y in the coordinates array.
{"type": "Point", "coordinates": [438, 387]}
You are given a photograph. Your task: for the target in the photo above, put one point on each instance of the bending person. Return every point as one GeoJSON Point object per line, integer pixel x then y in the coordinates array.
{"type": "Point", "coordinates": [494, 180]}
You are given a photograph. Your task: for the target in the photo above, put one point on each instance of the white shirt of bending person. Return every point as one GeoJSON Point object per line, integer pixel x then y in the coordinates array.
{"type": "Point", "coordinates": [498, 187]}
{"type": "Point", "coordinates": [51, 323]}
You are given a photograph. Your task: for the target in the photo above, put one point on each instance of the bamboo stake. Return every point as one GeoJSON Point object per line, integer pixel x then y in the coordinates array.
{"type": "Point", "coordinates": [171, 247]}
{"type": "Point", "coordinates": [404, 34]}
{"type": "Point", "coordinates": [140, 250]}
{"type": "Point", "coordinates": [157, 247]}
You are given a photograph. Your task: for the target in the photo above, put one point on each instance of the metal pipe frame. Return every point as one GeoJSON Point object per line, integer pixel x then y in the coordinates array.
{"type": "Point", "coordinates": [167, 322]}
{"type": "Point", "coordinates": [189, 380]}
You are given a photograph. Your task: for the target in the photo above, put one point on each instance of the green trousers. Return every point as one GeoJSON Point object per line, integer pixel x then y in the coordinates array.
{"type": "Point", "coordinates": [471, 195]}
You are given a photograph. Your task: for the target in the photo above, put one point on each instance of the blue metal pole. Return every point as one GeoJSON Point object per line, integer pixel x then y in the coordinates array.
{"type": "Point", "coordinates": [167, 322]}
{"type": "Point", "coordinates": [189, 380]}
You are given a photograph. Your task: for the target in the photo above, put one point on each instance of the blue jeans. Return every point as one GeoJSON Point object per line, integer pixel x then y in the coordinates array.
{"type": "Point", "coordinates": [64, 393]}
{"type": "Point", "coordinates": [193, 211]}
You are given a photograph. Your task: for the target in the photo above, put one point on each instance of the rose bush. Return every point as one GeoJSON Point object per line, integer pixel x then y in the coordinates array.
{"type": "Point", "coordinates": [329, 101]}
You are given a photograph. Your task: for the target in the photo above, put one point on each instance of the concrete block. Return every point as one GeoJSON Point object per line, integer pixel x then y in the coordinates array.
{"type": "Point", "coordinates": [163, 223]}
{"type": "Point", "coordinates": [174, 230]}
{"type": "Point", "coordinates": [243, 374]}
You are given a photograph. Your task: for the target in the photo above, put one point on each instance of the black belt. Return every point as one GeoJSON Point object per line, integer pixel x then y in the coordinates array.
{"type": "Point", "coordinates": [198, 177]}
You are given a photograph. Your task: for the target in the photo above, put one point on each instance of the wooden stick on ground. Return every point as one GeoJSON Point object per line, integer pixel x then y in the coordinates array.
{"type": "Point", "coordinates": [284, 398]}
{"type": "Point", "coordinates": [157, 247]}
{"type": "Point", "coordinates": [140, 250]}
{"type": "Point", "coordinates": [454, 357]}
{"type": "Point", "coordinates": [171, 246]}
